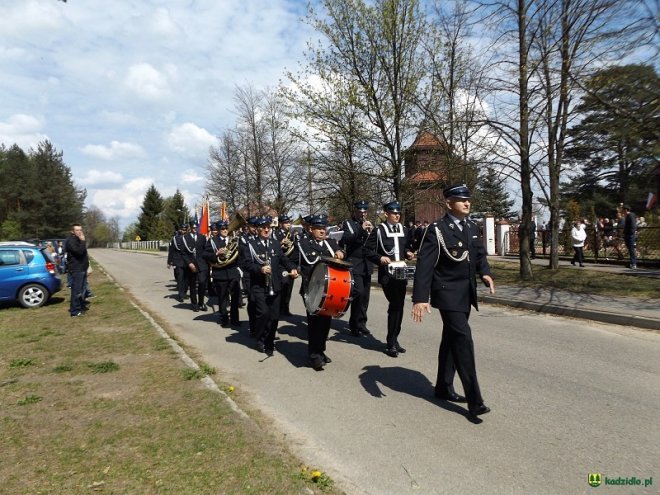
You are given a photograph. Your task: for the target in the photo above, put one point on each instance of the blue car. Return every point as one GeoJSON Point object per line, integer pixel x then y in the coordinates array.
{"type": "Point", "coordinates": [27, 275]}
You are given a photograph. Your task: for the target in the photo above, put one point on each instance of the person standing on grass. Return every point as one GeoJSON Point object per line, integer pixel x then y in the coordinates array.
{"type": "Point", "coordinates": [579, 235]}
{"type": "Point", "coordinates": [77, 264]}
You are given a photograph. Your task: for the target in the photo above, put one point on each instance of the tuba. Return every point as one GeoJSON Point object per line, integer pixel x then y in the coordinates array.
{"type": "Point", "coordinates": [230, 255]}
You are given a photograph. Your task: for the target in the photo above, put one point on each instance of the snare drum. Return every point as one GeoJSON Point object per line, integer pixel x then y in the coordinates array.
{"type": "Point", "coordinates": [329, 288]}
{"type": "Point", "coordinates": [399, 270]}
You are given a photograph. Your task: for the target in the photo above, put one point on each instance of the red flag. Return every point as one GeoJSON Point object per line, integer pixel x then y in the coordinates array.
{"type": "Point", "coordinates": [204, 220]}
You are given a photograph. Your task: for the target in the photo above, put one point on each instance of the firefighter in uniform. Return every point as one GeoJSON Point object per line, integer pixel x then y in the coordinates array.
{"type": "Point", "coordinates": [224, 273]}
{"type": "Point", "coordinates": [390, 242]}
{"type": "Point", "coordinates": [356, 230]}
{"type": "Point", "coordinates": [287, 239]}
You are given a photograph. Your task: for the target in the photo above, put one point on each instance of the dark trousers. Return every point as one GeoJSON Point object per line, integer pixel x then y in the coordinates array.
{"type": "Point", "coordinates": [631, 245]}
{"type": "Point", "coordinates": [285, 298]}
{"type": "Point", "coordinates": [181, 281]}
{"type": "Point", "coordinates": [360, 302]}
{"type": "Point", "coordinates": [202, 284]}
{"type": "Point", "coordinates": [266, 316]}
{"type": "Point", "coordinates": [228, 291]}
{"type": "Point", "coordinates": [457, 354]}
{"type": "Point", "coordinates": [578, 255]}
{"type": "Point", "coordinates": [77, 303]}
{"type": "Point", "coordinates": [318, 328]}
{"type": "Point", "coordinates": [395, 292]}
{"type": "Point", "coordinates": [191, 282]}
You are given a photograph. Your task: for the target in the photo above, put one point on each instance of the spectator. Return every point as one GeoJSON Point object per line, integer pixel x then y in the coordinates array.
{"type": "Point", "coordinates": [641, 222]}
{"type": "Point", "coordinates": [77, 266]}
{"type": "Point", "coordinates": [630, 234]}
{"type": "Point", "coordinates": [579, 235]}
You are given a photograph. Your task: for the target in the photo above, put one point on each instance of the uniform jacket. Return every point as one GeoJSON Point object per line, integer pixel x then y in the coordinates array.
{"type": "Point", "coordinates": [253, 255]}
{"type": "Point", "coordinates": [446, 274]}
{"type": "Point", "coordinates": [200, 246]}
{"type": "Point", "coordinates": [228, 272]}
{"type": "Point", "coordinates": [352, 241]}
{"type": "Point", "coordinates": [311, 252]}
{"type": "Point", "coordinates": [384, 241]}
{"type": "Point", "coordinates": [174, 255]}
{"type": "Point", "coordinates": [188, 244]}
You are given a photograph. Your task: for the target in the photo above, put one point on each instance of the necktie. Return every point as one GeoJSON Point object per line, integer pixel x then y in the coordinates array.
{"type": "Point", "coordinates": [462, 223]}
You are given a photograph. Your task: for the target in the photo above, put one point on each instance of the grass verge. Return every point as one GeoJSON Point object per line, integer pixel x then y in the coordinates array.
{"type": "Point", "coordinates": [102, 404]}
{"type": "Point", "coordinates": [581, 281]}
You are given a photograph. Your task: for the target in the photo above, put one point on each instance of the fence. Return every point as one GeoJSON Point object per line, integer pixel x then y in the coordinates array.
{"type": "Point", "coordinates": [140, 245]}
{"type": "Point", "coordinates": [597, 247]}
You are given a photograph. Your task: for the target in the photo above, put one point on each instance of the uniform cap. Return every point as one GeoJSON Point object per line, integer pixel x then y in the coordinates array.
{"type": "Point", "coordinates": [252, 220]}
{"type": "Point", "coordinates": [284, 219]}
{"type": "Point", "coordinates": [222, 224]}
{"type": "Point", "coordinates": [457, 191]}
{"type": "Point", "coordinates": [261, 221]}
{"type": "Point", "coordinates": [307, 218]}
{"type": "Point", "coordinates": [361, 205]}
{"type": "Point", "coordinates": [392, 207]}
{"type": "Point", "coordinates": [319, 220]}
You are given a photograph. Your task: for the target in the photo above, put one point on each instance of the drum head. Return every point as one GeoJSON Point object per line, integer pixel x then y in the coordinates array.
{"type": "Point", "coordinates": [316, 288]}
{"type": "Point", "coordinates": [337, 263]}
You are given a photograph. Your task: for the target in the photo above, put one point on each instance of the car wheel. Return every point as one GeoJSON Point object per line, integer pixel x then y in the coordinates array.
{"type": "Point", "coordinates": [33, 296]}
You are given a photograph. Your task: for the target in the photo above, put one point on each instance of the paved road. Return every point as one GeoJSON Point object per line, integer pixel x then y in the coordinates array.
{"type": "Point", "coordinates": [569, 397]}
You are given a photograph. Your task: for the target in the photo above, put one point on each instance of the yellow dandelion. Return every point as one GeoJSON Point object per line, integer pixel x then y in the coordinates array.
{"type": "Point", "coordinates": [231, 388]}
{"type": "Point", "coordinates": [316, 475]}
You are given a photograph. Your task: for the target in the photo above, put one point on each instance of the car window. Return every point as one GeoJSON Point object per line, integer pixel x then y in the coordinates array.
{"type": "Point", "coordinates": [29, 255]}
{"type": "Point", "coordinates": [9, 257]}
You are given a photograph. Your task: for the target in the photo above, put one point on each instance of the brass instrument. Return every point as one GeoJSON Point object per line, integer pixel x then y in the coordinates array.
{"type": "Point", "coordinates": [229, 256]}
{"type": "Point", "coordinates": [287, 243]}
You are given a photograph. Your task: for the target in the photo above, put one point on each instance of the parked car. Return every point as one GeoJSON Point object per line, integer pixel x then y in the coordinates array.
{"type": "Point", "coordinates": [27, 275]}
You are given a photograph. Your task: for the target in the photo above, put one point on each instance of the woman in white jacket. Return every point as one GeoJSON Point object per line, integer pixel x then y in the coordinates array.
{"type": "Point", "coordinates": [579, 235]}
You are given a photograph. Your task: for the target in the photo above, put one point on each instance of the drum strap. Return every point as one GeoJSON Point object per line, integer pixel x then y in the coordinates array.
{"type": "Point", "coordinates": [394, 252]}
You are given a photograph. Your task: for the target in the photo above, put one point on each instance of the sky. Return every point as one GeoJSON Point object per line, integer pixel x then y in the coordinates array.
{"type": "Point", "coordinates": [134, 92]}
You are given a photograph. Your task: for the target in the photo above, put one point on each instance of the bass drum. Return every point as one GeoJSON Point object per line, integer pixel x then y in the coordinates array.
{"type": "Point", "coordinates": [329, 289]}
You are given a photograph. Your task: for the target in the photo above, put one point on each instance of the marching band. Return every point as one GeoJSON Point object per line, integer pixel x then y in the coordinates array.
{"type": "Point", "coordinates": [262, 263]}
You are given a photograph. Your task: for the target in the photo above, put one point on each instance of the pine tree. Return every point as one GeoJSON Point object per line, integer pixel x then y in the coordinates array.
{"type": "Point", "coordinates": [152, 208]}
{"type": "Point", "coordinates": [491, 196]}
{"type": "Point", "coordinates": [175, 212]}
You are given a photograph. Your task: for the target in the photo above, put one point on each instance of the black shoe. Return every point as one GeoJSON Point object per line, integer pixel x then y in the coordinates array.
{"type": "Point", "coordinates": [224, 323]}
{"type": "Point", "coordinates": [195, 308]}
{"type": "Point", "coordinates": [203, 307]}
{"type": "Point", "coordinates": [450, 396]}
{"type": "Point", "coordinates": [260, 347]}
{"type": "Point", "coordinates": [76, 315]}
{"type": "Point", "coordinates": [179, 299]}
{"type": "Point", "coordinates": [581, 265]}
{"type": "Point", "coordinates": [235, 323]}
{"type": "Point", "coordinates": [479, 410]}
{"type": "Point", "coordinates": [573, 263]}
{"type": "Point", "coordinates": [326, 359]}
{"type": "Point", "coordinates": [365, 331]}
{"type": "Point", "coordinates": [317, 364]}
{"type": "Point", "coordinates": [399, 349]}
{"type": "Point", "coordinates": [392, 352]}
{"type": "Point", "coordinates": [356, 333]}
{"type": "Point", "coordinates": [269, 352]}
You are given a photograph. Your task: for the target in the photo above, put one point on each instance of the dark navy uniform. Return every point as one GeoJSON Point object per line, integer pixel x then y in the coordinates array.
{"type": "Point", "coordinates": [352, 241]}
{"type": "Point", "coordinates": [394, 242]}
{"type": "Point", "coordinates": [450, 257]}
{"type": "Point", "coordinates": [175, 259]}
{"type": "Point", "coordinates": [280, 235]}
{"type": "Point", "coordinates": [225, 278]}
{"type": "Point", "coordinates": [265, 289]}
{"type": "Point", "coordinates": [202, 271]}
{"type": "Point", "coordinates": [318, 326]}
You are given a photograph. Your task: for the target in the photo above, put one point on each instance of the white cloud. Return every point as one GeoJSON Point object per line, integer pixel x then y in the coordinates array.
{"type": "Point", "coordinates": [191, 176]}
{"type": "Point", "coordinates": [115, 151]}
{"type": "Point", "coordinates": [190, 139]}
{"type": "Point", "coordinates": [23, 130]}
{"type": "Point", "coordinates": [163, 24]}
{"type": "Point", "coordinates": [100, 178]}
{"type": "Point", "coordinates": [123, 202]}
{"type": "Point", "coordinates": [147, 82]}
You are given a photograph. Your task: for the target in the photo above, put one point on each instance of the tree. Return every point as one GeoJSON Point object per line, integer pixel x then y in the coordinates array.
{"type": "Point", "coordinates": [38, 192]}
{"type": "Point", "coordinates": [617, 142]}
{"type": "Point", "coordinates": [375, 47]}
{"type": "Point", "coordinates": [152, 207]}
{"type": "Point", "coordinates": [492, 196]}
{"type": "Point", "coordinates": [175, 212]}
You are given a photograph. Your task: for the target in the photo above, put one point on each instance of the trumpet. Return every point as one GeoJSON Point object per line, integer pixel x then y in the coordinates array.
{"type": "Point", "coordinates": [367, 225]}
{"type": "Point", "coordinates": [269, 280]}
